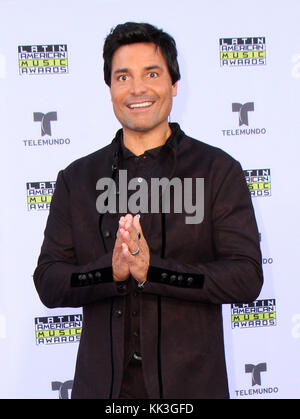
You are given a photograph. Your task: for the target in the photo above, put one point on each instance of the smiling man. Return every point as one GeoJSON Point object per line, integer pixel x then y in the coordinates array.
{"type": "Point", "coordinates": [151, 285]}
{"type": "Point", "coordinates": [142, 93]}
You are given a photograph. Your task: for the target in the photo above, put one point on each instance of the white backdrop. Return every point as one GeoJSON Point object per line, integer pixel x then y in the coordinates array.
{"type": "Point", "coordinates": [38, 346]}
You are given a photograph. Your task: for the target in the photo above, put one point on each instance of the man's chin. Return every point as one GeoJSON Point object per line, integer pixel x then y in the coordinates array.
{"type": "Point", "coordinates": [139, 127]}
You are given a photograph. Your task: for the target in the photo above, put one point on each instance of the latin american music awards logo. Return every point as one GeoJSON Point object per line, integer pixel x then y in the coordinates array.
{"type": "Point", "coordinates": [259, 182]}
{"type": "Point", "coordinates": [259, 313]}
{"type": "Point", "coordinates": [39, 195]}
{"type": "Point", "coordinates": [241, 52]}
{"type": "Point", "coordinates": [55, 330]}
{"type": "Point", "coordinates": [43, 59]}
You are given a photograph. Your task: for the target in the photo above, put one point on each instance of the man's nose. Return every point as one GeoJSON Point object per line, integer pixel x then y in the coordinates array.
{"type": "Point", "coordinates": [138, 86]}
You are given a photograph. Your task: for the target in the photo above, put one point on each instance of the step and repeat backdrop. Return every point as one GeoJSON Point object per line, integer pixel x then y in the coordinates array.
{"type": "Point", "coordinates": [240, 66]}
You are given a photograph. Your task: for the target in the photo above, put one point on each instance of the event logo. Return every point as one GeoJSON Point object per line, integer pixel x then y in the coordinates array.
{"type": "Point", "coordinates": [241, 52]}
{"type": "Point", "coordinates": [58, 329]}
{"type": "Point", "coordinates": [242, 110]}
{"type": "Point", "coordinates": [43, 59]}
{"type": "Point", "coordinates": [64, 389]}
{"type": "Point", "coordinates": [256, 373]}
{"type": "Point", "coordinates": [45, 121]}
{"type": "Point", "coordinates": [259, 313]}
{"type": "Point", "coordinates": [259, 182]}
{"type": "Point", "coordinates": [39, 195]}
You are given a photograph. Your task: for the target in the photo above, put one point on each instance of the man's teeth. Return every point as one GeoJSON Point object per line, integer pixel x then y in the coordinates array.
{"type": "Point", "coordinates": [140, 105]}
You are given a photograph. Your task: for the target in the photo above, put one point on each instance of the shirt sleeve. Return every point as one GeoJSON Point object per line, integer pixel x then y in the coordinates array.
{"type": "Point", "coordinates": [236, 273]}
{"type": "Point", "coordinates": [59, 279]}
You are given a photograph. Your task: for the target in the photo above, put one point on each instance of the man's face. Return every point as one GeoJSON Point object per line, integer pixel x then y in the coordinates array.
{"type": "Point", "coordinates": [141, 87]}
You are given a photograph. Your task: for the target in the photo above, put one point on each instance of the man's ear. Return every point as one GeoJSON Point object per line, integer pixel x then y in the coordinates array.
{"type": "Point", "coordinates": [174, 89]}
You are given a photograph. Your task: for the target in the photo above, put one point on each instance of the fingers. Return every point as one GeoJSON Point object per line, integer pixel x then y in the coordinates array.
{"type": "Point", "coordinates": [133, 261]}
{"type": "Point", "coordinates": [132, 240]}
{"type": "Point", "coordinates": [130, 232]}
{"type": "Point", "coordinates": [126, 252]}
{"type": "Point", "coordinates": [119, 262]}
{"type": "Point", "coordinates": [137, 225]}
{"type": "Point", "coordinates": [131, 224]}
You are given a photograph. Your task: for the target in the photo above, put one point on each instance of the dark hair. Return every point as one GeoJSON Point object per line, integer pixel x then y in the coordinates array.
{"type": "Point", "coordinates": [130, 33]}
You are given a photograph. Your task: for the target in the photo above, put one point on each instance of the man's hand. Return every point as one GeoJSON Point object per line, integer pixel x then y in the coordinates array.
{"type": "Point", "coordinates": [133, 241]}
{"type": "Point", "coordinates": [119, 263]}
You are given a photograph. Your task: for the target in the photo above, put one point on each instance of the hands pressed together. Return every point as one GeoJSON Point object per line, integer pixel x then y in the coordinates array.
{"type": "Point", "coordinates": [131, 253]}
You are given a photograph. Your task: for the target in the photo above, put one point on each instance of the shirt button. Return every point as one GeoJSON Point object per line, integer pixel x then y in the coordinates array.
{"type": "Point", "coordinates": [172, 279]}
{"type": "Point", "coordinates": [164, 276]}
{"type": "Point", "coordinates": [137, 356]}
{"type": "Point", "coordinates": [190, 281]}
{"type": "Point", "coordinates": [118, 313]}
{"type": "Point", "coordinates": [122, 288]}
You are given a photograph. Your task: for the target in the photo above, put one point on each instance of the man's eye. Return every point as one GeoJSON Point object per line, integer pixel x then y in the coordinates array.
{"type": "Point", "coordinates": [153, 74]}
{"type": "Point", "coordinates": [123, 77]}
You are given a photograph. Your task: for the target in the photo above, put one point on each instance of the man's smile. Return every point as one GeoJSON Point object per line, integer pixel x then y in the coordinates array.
{"type": "Point", "coordinates": [140, 105]}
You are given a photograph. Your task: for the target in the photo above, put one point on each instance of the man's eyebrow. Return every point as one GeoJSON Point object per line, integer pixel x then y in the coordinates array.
{"type": "Point", "coordinates": [153, 67]}
{"type": "Point", "coordinates": [121, 70]}
{"type": "Point", "coordinates": [127, 70]}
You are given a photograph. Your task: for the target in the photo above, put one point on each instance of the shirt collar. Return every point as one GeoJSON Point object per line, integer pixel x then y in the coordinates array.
{"type": "Point", "coordinates": [153, 152]}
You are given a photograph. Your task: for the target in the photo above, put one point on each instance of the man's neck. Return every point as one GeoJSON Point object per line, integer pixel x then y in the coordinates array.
{"type": "Point", "coordinates": [139, 142]}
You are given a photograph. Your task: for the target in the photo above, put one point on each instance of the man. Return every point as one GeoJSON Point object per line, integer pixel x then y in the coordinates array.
{"type": "Point", "coordinates": [151, 284]}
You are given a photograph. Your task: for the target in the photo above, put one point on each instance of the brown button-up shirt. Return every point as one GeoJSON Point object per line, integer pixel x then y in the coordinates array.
{"type": "Point", "coordinates": [143, 168]}
{"type": "Point", "coordinates": [140, 167]}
